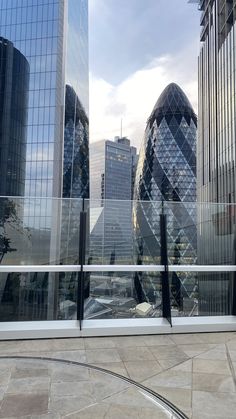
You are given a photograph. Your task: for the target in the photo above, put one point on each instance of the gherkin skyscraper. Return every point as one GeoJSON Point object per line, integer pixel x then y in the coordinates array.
{"type": "Point", "coordinates": [166, 177]}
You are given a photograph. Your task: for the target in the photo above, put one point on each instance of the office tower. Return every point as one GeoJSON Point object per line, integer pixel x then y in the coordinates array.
{"type": "Point", "coordinates": [216, 150]}
{"type": "Point", "coordinates": [14, 86]}
{"type": "Point", "coordinates": [166, 171]}
{"type": "Point", "coordinates": [112, 168]}
{"type": "Point", "coordinates": [52, 36]}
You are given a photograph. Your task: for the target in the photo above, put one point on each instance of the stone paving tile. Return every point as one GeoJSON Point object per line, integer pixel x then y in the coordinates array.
{"type": "Point", "coordinates": [78, 356]}
{"type": "Point", "coordinates": [163, 363]}
{"type": "Point", "coordinates": [28, 385]}
{"type": "Point", "coordinates": [213, 383]}
{"type": "Point", "coordinates": [213, 405]}
{"type": "Point", "coordinates": [126, 341]}
{"type": "Point", "coordinates": [172, 362]}
{"type": "Point", "coordinates": [69, 374]}
{"type": "Point", "coordinates": [117, 367]}
{"type": "Point", "coordinates": [211, 366]}
{"type": "Point", "coordinates": [105, 385]}
{"type": "Point", "coordinates": [99, 343]}
{"type": "Point", "coordinates": [106, 355]}
{"type": "Point", "coordinates": [170, 379]}
{"type": "Point", "coordinates": [195, 349]}
{"type": "Point", "coordinates": [136, 354]}
{"type": "Point", "coordinates": [221, 337]}
{"type": "Point", "coordinates": [17, 405]}
{"type": "Point", "coordinates": [128, 397]}
{"type": "Point", "coordinates": [79, 389]}
{"type": "Point", "coordinates": [219, 352]}
{"type": "Point", "coordinates": [186, 366]}
{"type": "Point", "coordinates": [29, 372]}
{"type": "Point", "coordinates": [188, 338]}
{"type": "Point", "coordinates": [154, 340]}
{"type": "Point", "coordinates": [180, 397]}
{"type": "Point", "coordinates": [5, 373]}
{"type": "Point", "coordinates": [95, 411]}
{"type": "Point", "coordinates": [140, 371]}
{"type": "Point", "coordinates": [166, 352]}
{"type": "Point", "coordinates": [65, 405]}
{"type": "Point", "coordinates": [231, 344]}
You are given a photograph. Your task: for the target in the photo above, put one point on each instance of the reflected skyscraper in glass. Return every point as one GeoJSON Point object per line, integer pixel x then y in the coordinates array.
{"type": "Point", "coordinates": [53, 38]}
{"type": "Point", "coordinates": [167, 172]}
{"type": "Point", "coordinates": [14, 88]}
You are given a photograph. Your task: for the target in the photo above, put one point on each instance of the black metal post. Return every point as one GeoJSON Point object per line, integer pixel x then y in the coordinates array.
{"type": "Point", "coordinates": [82, 253]}
{"type": "Point", "coordinates": [233, 288]}
{"type": "Point", "coordinates": [166, 309]}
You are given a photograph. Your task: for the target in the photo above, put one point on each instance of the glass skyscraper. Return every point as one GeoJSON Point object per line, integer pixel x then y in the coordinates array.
{"type": "Point", "coordinates": [216, 148]}
{"type": "Point", "coordinates": [44, 130]}
{"type": "Point", "coordinates": [52, 35]}
{"type": "Point", "coordinates": [112, 169]}
{"type": "Point", "coordinates": [217, 102]}
{"type": "Point", "coordinates": [166, 172]}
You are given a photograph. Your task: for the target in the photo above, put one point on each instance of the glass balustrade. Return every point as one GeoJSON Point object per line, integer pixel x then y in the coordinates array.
{"type": "Point", "coordinates": [115, 269]}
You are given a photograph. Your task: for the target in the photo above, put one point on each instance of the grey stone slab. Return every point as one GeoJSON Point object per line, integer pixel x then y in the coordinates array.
{"type": "Point", "coordinates": [211, 366]}
{"type": "Point", "coordinates": [81, 388]}
{"type": "Point", "coordinates": [187, 339]}
{"type": "Point", "coordinates": [166, 352]}
{"type": "Point", "coordinates": [136, 354]}
{"type": "Point", "coordinates": [105, 385]}
{"type": "Point", "coordinates": [212, 405]}
{"type": "Point", "coordinates": [231, 344]}
{"type": "Point", "coordinates": [186, 366]}
{"type": "Point", "coordinates": [65, 373]}
{"type": "Point", "coordinates": [17, 405]}
{"type": "Point", "coordinates": [102, 356]}
{"type": "Point", "coordinates": [129, 397]}
{"type": "Point", "coordinates": [221, 337]}
{"type": "Point", "coordinates": [154, 340]}
{"type": "Point", "coordinates": [219, 352]}
{"type": "Point", "coordinates": [171, 362]}
{"type": "Point", "coordinates": [29, 372]}
{"type": "Point", "coordinates": [95, 411]}
{"type": "Point", "coordinates": [232, 354]}
{"type": "Point", "coordinates": [69, 405]}
{"type": "Point", "coordinates": [195, 349]}
{"type": "Point", "coordinates": [122, 411]}
{"type": "Point", "coordinates": [68, 344]}
{"type": "Point", "coordinates": [126, 341]}
{"type": "Point", "coordinates": [213, 382]}
{"type": "Point", "coordinates": [28, 385]}
{"type": "Point", "coordinates": [78, 356]}
{"type": "Point", "coordinates": [99, 343]}
{"type": "Point", "coordinates": [170, 379]}
{"type": "Point", "coordinates": [140, 371]}
{"type": "Point", "coordinates": [149, 413]}
{"type": "Point", "coordinates": [5, 374]}
{"type": "Point", "coordinates": [180, 397]}
{"type": "Point", "coordinates": [117, 367]}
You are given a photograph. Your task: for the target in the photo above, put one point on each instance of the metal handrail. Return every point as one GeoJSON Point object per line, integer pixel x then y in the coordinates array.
{"type": "Point", "coordinates": [117, 268]}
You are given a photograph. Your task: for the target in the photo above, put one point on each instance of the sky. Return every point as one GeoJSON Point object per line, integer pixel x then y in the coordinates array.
{"type": "Point", "coordinates": [136, 48]}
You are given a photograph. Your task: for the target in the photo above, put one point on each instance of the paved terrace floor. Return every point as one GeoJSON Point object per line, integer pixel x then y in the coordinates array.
{"type": "Point", "coordinates": [195, 372]}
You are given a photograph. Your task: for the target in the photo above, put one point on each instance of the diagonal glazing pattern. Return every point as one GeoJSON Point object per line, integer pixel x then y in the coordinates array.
{"type": "Point", "coordinates": [167, 172]}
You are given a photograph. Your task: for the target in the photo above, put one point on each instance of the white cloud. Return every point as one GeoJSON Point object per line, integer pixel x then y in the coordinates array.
{"type": "Point", "coordinates": [134, 98]}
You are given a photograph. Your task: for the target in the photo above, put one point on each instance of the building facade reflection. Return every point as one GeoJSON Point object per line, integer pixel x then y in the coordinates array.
{"type": "Point", "coordinates": [14, 86]}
